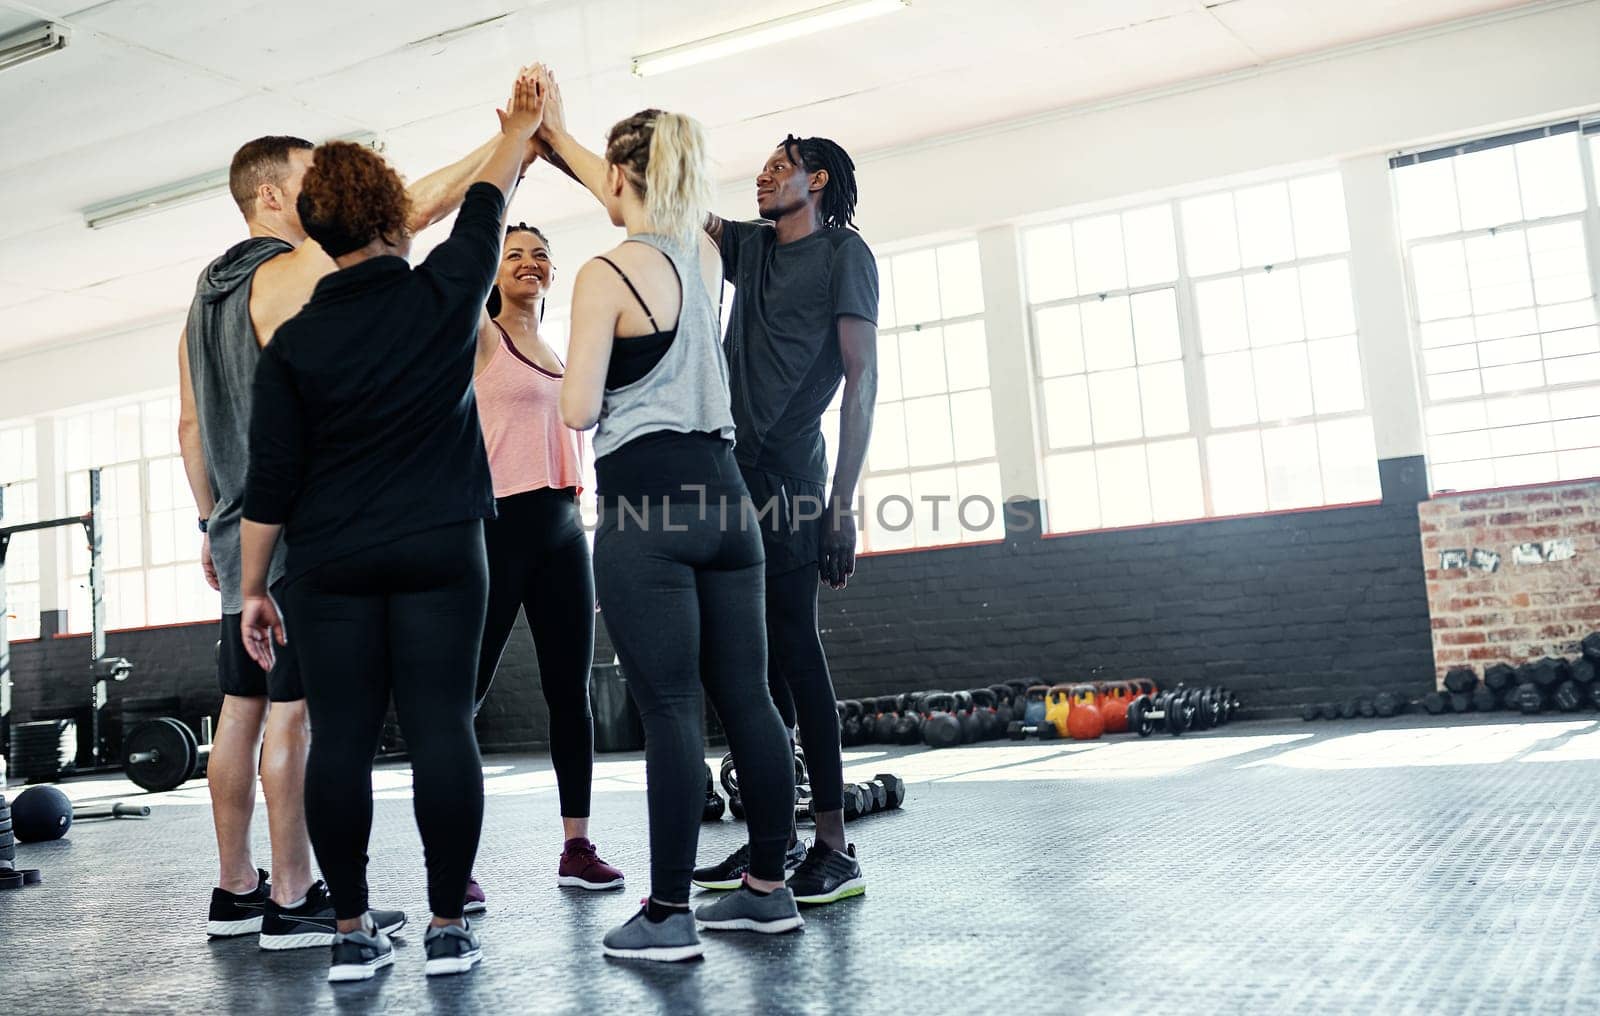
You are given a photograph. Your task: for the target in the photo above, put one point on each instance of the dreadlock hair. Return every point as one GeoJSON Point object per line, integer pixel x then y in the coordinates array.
{"type": "Point", "coordinates": [838, 206]}
{"type": "Point", "coordinates": [663, 155]}
{"type": "Point", "coordinates": [494, 303]}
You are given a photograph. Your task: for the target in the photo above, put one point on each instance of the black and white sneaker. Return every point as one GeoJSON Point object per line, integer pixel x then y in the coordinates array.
{"type": "Point", "coordinates": [827, 876]}
{"type": "Point", "coordinates": [357, 955]}
{"type": "Point", "coordinates": [238, 913]}
{"type": "Point", "coordinates": [730, 873]}
{"type": "Point", "coordinates": [312, 923]}
{"type": "Point", "coordinates": [451, 949]}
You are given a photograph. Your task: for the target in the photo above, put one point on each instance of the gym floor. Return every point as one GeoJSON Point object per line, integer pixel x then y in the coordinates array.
{"type": "Point", "coordinates": [1414, 865]}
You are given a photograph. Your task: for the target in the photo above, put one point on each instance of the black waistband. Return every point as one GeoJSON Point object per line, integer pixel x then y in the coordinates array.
{"type": "Point", "coordinates": [669, 464]}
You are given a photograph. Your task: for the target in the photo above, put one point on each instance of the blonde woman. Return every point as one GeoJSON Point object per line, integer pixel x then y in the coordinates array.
{"type": "Point", "coordinates": [678, 558]}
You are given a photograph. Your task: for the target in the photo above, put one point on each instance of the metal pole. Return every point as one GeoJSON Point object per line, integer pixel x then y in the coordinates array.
{"type": "Point", "coordinates": [5, 654]}
{"type": "Point", "coordinates": [97, 600]}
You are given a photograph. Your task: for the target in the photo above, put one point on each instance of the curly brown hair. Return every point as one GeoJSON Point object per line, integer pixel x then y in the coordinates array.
{"type": "Point", "coordinates": [350, 197]}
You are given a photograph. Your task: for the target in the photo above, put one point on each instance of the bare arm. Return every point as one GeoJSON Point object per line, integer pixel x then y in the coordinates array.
{"type": "Point", "coordinates": [440, 192]}
{"type": "Point", "coordinates": [260, 624]}
{"type": "Point", "coordinates": [595, 308]}
{"type": "Point", "coordinates": [194, 456]}
{"type": "Point", "coordinates": [713, 228]}
{"type": "Point", "coordinates": [563, 150]}
{"type": "Point", "coordinates": [858, 345]}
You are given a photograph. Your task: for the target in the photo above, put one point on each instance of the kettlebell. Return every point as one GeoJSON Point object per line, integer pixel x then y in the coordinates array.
{"type": "Point", "coordinates": [1002, 705]}
{"type": "Point", "coordinates": [1034, 705]}
{"type": "Point", "coordinates": [851, 734]}
{"type": "Point", "coordinates": [964, 716]}
{"type": "Point", "coordinates": [983, 711]}
{"type": "Point", "coordinates": [908, 729]}
{"type": "Point", "coordinates": [941, 729]}
{"type": "Point", "coordinates": [1058, 704]}
{"type": "Point", "coordinates": [888, 716]}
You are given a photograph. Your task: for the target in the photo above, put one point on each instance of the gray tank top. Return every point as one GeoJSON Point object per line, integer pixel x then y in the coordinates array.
{"type": "Point", "coordinates": [223, 353]}
{"type": "Point", "coordinates": [687, 391]}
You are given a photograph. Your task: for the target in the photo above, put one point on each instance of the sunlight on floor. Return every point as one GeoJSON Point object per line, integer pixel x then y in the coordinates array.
{"type": "Point", "coordinates": [1425, 746]}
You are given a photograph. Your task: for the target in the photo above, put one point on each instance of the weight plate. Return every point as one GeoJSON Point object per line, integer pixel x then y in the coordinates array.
{"type": "Point", "coordinates": [167, 760]}
{"type": "Point", "coordinates": [194, 745]}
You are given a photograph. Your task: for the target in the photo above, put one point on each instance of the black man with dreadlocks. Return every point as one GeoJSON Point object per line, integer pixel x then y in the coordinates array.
{"type": "Point", "coordinates": [804, 320]}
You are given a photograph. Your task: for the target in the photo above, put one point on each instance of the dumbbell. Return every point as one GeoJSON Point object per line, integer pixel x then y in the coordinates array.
{"type": "Point", "coordinates": [162, 754]}
{"type": "Point", "coordinates": [1170, 712]}
{"type": "Point", "coordinates": [1018, 730]}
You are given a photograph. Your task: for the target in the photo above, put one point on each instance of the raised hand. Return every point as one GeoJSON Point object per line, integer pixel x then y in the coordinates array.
{"type": "Point", "coordinates": [555, 111]}
{"type": "Point", "coordinates": [523, 113]}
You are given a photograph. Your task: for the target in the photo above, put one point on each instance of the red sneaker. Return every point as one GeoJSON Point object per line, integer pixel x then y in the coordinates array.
{"type": "Point", "coordinates": [582, 868]}
{"type": "Point", "coordinates": [475, 903]}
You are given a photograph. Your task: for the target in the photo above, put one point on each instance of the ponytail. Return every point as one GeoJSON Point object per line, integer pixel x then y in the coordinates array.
{"type": "Point", "coordinates": [663, 156]}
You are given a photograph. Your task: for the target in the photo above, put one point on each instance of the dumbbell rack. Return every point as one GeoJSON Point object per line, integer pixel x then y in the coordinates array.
{"type": "Point", "coordinates": [103, 669]}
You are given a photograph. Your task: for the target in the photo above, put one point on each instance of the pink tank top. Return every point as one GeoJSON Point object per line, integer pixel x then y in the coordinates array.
{"type": "Point", "coordinates": [519, 409]}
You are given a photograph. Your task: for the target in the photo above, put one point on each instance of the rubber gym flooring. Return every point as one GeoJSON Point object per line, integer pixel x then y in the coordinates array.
{"type": "Point", "coordinates": [1415, 865]}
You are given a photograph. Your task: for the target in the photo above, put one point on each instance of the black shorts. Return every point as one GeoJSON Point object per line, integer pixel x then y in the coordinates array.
{"type": "Point", "coordinates": [240, 675]}
{"type": "Point", "coordinates": [792, 515]}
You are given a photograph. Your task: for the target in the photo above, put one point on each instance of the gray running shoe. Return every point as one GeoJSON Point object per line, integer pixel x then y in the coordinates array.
{"type": "Point", "coordinates": [450, 949]}
{"type": "Point", "coordinates": [743, 910]}
{"type": "Point", "coordinates": [642, 939]}
{"type": "Point", "coordinates": [357, 955]}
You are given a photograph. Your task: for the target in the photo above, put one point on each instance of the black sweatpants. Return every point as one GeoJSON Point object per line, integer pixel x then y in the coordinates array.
{"type": "Point", "coordinates": [801, 686]}
{"type": "Point", "coordinates": [681, 593]}
{"type": "Point", "coordinates": [404, 618]}
{"type": "Point", "coordinates": [539, 563]}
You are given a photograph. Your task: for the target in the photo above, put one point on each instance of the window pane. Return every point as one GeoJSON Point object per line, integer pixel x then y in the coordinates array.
{"type": "Point", "coordinates": [1320, 225]}
{"type": "Point", "coordinates": [1272, 300]}
{"type": "Point", "coordinates": [1283, 382]}
{"type": "Point", "coordinates": [891, 514]}
{"type": "Point", "coordinates": [980, 511]}
{"type": "Point", "coordinates": [1238, 479]}
{"type": "Point", "coordinates": [888, 446]}
{"type": "Point", "coordinates": [1428, 203]}
{"type": "Point", "coordinates": [1551, 176]}
{"type": "Point", "coordinates": [1114, 401]}
{"type": "Point", "coordinates": [1073, 493]}
{"type": "Point", "coordinates": [127, 434]}
{"type": "Point", "coordinates": [160, 427]}
{"type": "Point", "coordinates": [1047, 256]}
{"type": "Point", "coordinates": [1152, 252]}
{"type": "Point", "coordinates": [1498, 268]}
{"type": "Point", "coordinates": [1166, 404]}
{"type": "Point", "coordinates": [889, 366]}
{"type": "Point", "coordinates": [886, 303]}
{"type": "Point", "coordinates": [1210, 235]}
{"type": "Point", "coordinates": [1487, 182]}
{"type": "Point", "coordinates": [1230, 390]}
{"type": "Point", "coordinates": [922, 362]}
{"type": "Point", "coordinates": [916, 287]}
{"type": "Point", "coordinates": [1097, 246]}
{"type": "Point", "coordinates": [973, 422]}
{"type": "Point", "coordinates": [1066, 404]}
{"type": "Point", "coordinates": [1325, 297]}
{"type": "Point", "coordinates": [1560, 264]}
{"type": "Point", "coordinates": [1336, 385]}
{"type": "Point", "coordinates": [1439, 275]}
{"type": "Point", "coordinates": [1124, 486]}
{"type": "Point", "coordinates": [1059, 336]}
{"type": "Point", "coordinates": [1107, 333]}
{"type": "Point", "coordinates": [1266, 232]}
{"type": "Point", "coordinates": [1349, 461]}
{"type": "Point", "coordinates": [1175, 480]}
{"type": "Point", "coordinates": [937, 498]}
{"type": "Point", "coordinates": [928, 431]}
{"type": "Point", "coordinates": [1220, 307]}
{"type": "Point", "coordinates": [1155, 326]}
{"type": "Point", "coordinates": [1294, 472]}
{"type": "Point", "coordinates": [967, 356]}
{"type": "Point", "coordinates": [960, 280]}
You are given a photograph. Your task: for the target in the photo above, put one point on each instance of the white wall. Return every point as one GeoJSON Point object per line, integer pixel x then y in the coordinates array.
{"type": "Point", "coordinates": [1368, 99]}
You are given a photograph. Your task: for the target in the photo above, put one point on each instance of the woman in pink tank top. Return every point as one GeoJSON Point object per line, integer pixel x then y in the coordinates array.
{"type": "Point", "coordinates": [538, 554]}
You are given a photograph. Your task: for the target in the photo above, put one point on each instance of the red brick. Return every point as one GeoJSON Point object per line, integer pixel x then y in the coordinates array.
{"type": "Point", "coordinates": [1538, 497]}
{"type": "Point", "coordinates": [1440, 623]}
{"type": "Point", "coordinates": [1465, 603]}
{"type": "Point", "coordinates": [1578, 493]}
{"type": "Point", "coordinates": [1508, 519]}
{"type": "Point", "coordinates": [1484, 653]}
{"type": "Point", "coordinates": [1450, 656]}
{"type": "Point", "coordinates": [1477, 504]}
{"type": "Point", "coordinates": [1462, 638]}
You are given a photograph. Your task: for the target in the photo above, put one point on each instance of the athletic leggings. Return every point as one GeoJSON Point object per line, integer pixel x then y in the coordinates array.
{"type": "Point", "coordinates": [539, 562]}
{"type": "Point", "coordinates": [682, 599]}
{"type": "Point", "coordinates": [797, 672]}
{"type": "Point", "coordinates": [404, 618]}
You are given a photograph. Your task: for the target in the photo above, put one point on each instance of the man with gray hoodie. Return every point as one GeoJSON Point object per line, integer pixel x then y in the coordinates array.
{"type": "Point", "coordinates": [240, 301]}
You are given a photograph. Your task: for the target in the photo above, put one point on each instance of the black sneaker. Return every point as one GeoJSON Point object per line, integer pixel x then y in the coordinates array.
{"type": "Point", "coordinates": [451, 950]}
{"type": "Point", "coordinates": [238, 913]}
{"type": "Point", "coordinates": [730, 873]}
{"type": "Point", "coordinates": [827, 876]}
{"type": "Point", "coordinates": [357, 955]}
{"type": "Point", "coordinates": [312, 923]}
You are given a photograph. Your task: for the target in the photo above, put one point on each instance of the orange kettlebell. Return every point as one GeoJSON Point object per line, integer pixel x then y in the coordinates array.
{"type": "Point", "coordinates": [1084, 722]}
{"type": "Point", "coordinates": [1114, 708]}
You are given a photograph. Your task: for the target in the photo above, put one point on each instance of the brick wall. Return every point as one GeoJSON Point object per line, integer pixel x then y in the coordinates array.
{"type": "Point", "coordinates": [1523, 607]}
{"type": "Point", "coordinates": [1285, 609]}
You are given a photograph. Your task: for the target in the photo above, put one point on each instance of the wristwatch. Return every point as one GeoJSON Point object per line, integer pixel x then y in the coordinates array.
{"type": "Point", "coordinates": [203, 524]}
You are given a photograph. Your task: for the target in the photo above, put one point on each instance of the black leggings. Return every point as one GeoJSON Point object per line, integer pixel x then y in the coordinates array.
{"type": "Point", "coordinates": [404, 618]}
{"type": "Point", "coordinates": [797, 671]}
{"type": "Point", "coordinates": [682, 599]}
{"type": "Point", "coordinates": [539, 562]}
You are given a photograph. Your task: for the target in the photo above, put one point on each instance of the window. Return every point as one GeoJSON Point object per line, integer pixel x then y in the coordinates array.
{"type": "Point", "coordinates": [19, 480]}
{"type": "Point", "coordinates": [932, 477]}
{"type": "Point", "coordinates": [1503, 303]}
{"type": "Point", "coordinates": [150, 548]}
{"type": "Point", "coordinates": [1198, 358]}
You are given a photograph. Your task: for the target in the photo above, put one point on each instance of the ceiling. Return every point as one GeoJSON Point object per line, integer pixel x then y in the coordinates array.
{"type": "Point", "coordinates": [150, 92]}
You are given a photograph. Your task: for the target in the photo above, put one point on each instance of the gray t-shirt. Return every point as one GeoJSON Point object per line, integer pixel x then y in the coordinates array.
{"type": "Point", "coordinates": [223, 353]}
{"type": "Point", "coordinates": [784, 364]}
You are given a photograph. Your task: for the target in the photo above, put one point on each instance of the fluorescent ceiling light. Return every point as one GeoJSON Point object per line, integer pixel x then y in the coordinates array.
{"type": "Point", "coordinates": [794, 26]}
{"type": "Point", "coordinates": [30, 43]}
{"type": "Point", "coordinates": [176, 195]}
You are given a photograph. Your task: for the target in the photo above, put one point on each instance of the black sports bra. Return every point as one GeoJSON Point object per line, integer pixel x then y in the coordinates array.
{"type": "Point", "coordinates": [634, 357]}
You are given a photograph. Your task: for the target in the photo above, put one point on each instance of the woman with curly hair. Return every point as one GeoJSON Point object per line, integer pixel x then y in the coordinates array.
{"type": "Point", "coordinates": [365, 452]}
